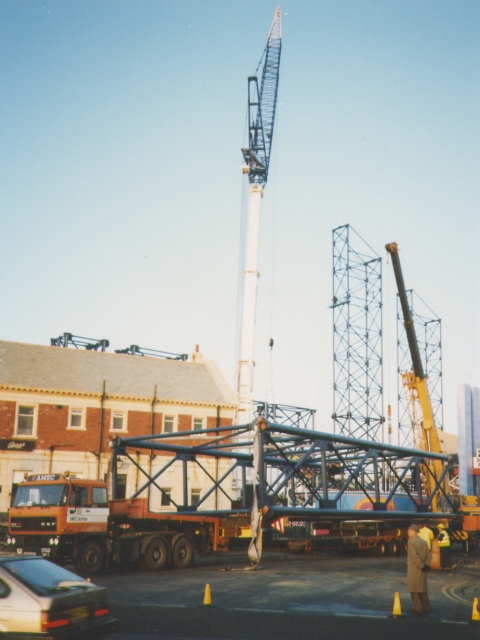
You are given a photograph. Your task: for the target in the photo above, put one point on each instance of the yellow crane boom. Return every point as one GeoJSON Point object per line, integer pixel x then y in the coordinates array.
{"type": "Point", "coordinates": [415, 384]}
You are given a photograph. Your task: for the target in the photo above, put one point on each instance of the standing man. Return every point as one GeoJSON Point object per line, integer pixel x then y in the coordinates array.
{"type": "Point", "coordinates": [444, 546]}
{"type": "Point", "coordinates": [418, 563]}
{"type": "Point", "coordinates": [426, 534]}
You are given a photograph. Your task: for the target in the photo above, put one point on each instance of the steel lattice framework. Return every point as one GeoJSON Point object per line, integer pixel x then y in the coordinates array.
{"type": "Point", "coordinates": [357, 337]}
{"type": "Point", "coordinates": [285, 414]}
{"type": "Point", "coordinates": [428, 328]}
{"type": "Point", "coordinates": [301, 473]}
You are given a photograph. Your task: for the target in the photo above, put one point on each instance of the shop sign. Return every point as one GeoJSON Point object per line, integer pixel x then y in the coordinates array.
{"type": "Point", "coordinates": [16, 445]}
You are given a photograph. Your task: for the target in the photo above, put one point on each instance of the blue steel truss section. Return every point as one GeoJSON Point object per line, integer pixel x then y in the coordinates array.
{"type": "Point", "coordinates": [303, 474]}
{"type": "Point", "coordinates": [428, 329]}
{"type": "Point", "coordinates": [357, 337]}
{"type": "Point", "coordinates": [285, 414]}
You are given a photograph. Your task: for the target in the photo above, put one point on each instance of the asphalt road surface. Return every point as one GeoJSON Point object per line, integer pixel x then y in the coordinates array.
{"type": "Point", "coordinates": [321, 596]}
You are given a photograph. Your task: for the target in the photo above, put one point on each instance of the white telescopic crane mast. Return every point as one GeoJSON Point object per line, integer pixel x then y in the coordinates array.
{"type": "Point", "coordinates": [261, 117]}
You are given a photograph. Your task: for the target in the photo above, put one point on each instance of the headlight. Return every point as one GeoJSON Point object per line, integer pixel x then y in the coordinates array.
{"type": "Point", "coordinates": [53, 541]}
{"type": "Point", "coordinates": [9, 541]}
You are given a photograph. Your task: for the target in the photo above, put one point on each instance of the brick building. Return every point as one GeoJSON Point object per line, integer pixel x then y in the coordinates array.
{"type": "Point", "coordinates": [58, 408]}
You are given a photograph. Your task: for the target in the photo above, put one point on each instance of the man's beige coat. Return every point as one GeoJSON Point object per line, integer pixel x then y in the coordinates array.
{"type": "Point", "coordinates": [418, 556]}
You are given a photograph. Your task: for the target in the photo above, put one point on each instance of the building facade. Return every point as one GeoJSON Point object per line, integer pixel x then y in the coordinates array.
{"type": "Point", "coordinates": [60, 406]}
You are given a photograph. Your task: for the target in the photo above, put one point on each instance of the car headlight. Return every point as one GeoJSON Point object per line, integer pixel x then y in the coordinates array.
{"type": "Point", "coordinates": [53, 541]}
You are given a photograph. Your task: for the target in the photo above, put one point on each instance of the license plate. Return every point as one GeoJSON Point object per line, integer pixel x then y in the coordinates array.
{"type": "Point", "coordinates": [79, 613]}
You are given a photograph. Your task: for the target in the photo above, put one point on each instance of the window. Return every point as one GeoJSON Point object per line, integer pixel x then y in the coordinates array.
{"type": "Point", "coordinates": [42, 577]}
{"type": "Point", "coordinates": [169, 424]}
{"type": "Point", "coordinates": [18, 476]}
{"type": "Point", "coordinates": [76, 419]}
{"type": "Point", "coordinates": [25, 422]}
{"type": "Point", "coordinates": [99, 495]}
{"type": "Point", "coordinates": [195, 496]}
{"type": "Point", "coordinates": [52, 495]}
{"type": "Point", "coordinates": [4, 589]}
{"type": "Point", "coordinates": [78, 496]}
{"type": "Point", "coordinates": [121, 490]}
{"type": "Point", "coordinates": [166, 497]}
{"type": "Point", "coordinates": [197, 424]}
{"type": "Point", "coordinates": [118, 421]}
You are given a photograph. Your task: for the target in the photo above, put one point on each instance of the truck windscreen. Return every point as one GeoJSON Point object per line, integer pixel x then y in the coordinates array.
{"type": "Point", "coordinates": [52, 495]}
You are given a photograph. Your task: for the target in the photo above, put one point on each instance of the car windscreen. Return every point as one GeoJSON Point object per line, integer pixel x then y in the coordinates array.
{"type": "Point", "coordinates": [52, 495]}
{"type": "Point", "coordinates": [43, 577]}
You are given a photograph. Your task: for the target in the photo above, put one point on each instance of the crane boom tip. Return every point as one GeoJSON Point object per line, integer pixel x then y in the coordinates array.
{"type": "Point", "coordinates": [392, 247]}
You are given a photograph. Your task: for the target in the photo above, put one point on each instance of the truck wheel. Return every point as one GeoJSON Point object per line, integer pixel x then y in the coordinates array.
{"type": "Point", "coordinates": [156, 555]}
{"type": "Point", "coordinates": [393, 547]}
{"type": "Point", "coordinates": [472, 543]}
{"type": "Point", "coordinates": [381, 548]}
{"type": "Point", "coordinates": [91, 558]}
{"type": "Point", "coordinates": [183, 552]}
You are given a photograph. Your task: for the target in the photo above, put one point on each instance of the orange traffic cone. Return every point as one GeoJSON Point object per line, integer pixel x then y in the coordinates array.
{"type": "Point", "coordinates": [397, 609]}
{"type": "Point", "coordinates": [475, 612]}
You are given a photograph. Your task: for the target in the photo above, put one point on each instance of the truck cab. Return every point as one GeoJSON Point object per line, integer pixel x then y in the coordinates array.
{"type": "Point", "coordinates": [52, 514]}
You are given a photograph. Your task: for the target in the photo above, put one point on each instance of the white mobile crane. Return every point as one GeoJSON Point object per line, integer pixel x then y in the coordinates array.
{"type": "Point", "coordinates": [261, 117]}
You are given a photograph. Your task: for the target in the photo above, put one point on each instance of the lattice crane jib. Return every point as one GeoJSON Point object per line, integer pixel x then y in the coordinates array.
{"type": "Point", "coordinates": [261, 107]}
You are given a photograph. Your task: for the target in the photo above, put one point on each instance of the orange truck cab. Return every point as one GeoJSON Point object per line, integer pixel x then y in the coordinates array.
{"type": "Point", "coordinates": [71, 521]}
{"type": "Point", "coordinates": [53, 515]}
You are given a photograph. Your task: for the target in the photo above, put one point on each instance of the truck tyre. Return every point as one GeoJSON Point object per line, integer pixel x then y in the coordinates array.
{"type": "Point", "coordinates": [91, 558]}
{"type": "Point", "coordinates": [182, 553]}
{"type": "Point", "coordinates": [472, 547]}
{"type": "Point", "coordinates": [393, 547]}
{"type": "Point", "coordinates": [381, 549]}
{"type": "Point", "coordinates": [156, 555]}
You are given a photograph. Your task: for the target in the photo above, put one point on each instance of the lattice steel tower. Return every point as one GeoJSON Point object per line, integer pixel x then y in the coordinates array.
{"type": "Point", "coordinates": [428, 328]}
{"type": "Point", "coordinates": [357, 337]}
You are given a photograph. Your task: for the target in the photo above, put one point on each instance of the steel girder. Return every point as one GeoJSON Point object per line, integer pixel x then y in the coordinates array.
{"type": "Point", "coordinates": [305, 474]}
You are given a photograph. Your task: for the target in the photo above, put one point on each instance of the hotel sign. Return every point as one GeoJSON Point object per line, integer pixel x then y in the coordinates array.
{"type": "Point", "coordinates": [16, 445]}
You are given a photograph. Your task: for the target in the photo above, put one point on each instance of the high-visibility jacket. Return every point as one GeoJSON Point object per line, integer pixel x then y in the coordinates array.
{"type": "Point", "coordinates": [427, 535]}
{"type": "Point", "coordinates": [443, 539]}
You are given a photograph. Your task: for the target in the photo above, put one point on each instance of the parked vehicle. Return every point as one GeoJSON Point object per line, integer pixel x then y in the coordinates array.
{"type": "Point", "coordinates": [71, 521]}
{"type": "Point", "coordinates": [40, 599]}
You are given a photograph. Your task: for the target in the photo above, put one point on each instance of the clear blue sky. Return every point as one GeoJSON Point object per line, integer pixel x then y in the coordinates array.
{"type": "Point", "coordinates": [120, 190]}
